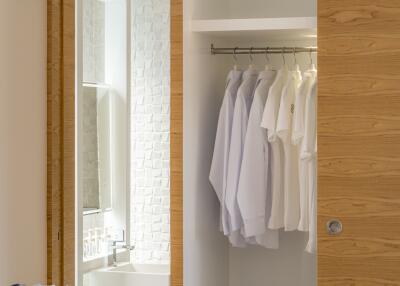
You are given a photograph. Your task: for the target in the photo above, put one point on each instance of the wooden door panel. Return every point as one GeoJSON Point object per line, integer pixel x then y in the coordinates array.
{"type": "Point", "coordinates": [359, 141]}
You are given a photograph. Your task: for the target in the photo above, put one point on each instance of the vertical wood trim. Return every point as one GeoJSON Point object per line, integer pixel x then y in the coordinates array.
{"type": "Point", "coordinates": [54, 64]}
{"type": "Point", "coordinates": [61, 142]}
{"type": "Point", "coordinates": [176, 143]}
{"type": "Point", "coordinates": [68, 142]}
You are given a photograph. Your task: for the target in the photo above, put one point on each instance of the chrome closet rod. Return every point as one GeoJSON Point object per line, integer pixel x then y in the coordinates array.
{"type": "Point", "coordinates": [263, 50]}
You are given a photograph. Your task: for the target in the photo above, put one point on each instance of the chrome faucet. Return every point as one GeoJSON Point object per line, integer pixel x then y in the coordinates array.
{"type": "Point", "coordinates": [115, 247]}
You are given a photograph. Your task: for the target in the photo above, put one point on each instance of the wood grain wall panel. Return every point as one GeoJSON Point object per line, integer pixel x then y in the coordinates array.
{"type": "Point", "coordinates": [61, 142]}
{"type": "Point", "coordinates": [176, 143]}
{"type": "Point", "coordinates": [358, 141]}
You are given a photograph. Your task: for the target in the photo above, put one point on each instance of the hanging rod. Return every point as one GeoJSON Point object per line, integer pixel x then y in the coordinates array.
{"type": "Point", "coordinates": [263, 50]}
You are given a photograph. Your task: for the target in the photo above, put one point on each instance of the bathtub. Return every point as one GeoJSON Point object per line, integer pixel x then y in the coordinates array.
{"type": "Point", "coordinates": [131, 275]}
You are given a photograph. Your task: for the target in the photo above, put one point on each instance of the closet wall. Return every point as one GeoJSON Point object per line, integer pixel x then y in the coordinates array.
{"type": "Point", "coordinates": [208, 258]}
{"type": "Point", "coordinates": [238, 9]}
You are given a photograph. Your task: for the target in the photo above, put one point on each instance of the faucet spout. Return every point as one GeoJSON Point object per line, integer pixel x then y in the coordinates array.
{"type": "Point", "coordinates": [115, 248]}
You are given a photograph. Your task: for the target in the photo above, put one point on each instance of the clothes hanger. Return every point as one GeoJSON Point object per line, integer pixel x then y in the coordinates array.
{"type": "Point", "coordinates": [312, 65]}
{"type": "Point", "coordinates": [235, 66]}
{"type": "Point", "coordinates": [296, 66]}
{"type": "Point", "coordinates": [284, 66]}
{"type": "Point", "coordinates": [251, 66]}
{"type": "Point", "coordinates": [267, 65]}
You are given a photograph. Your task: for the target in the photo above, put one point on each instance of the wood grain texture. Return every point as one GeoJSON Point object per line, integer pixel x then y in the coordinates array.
{"type": "Point", "coordinates": [54, 186]}
{"type": "Point", "coordinates": [61, 142]}
{"type": "Point", "coordinates": [358, 141]}
{"type": "Point", "coordinates": [68, 147]}
{"type": "Point", "coordinates": [176, 143]}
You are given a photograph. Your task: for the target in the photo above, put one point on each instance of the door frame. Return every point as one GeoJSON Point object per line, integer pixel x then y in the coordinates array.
{"type": "Point", "coordinates": [61, 114]}
{"type": "Point", "coordinates": [61, 142]}
{"type": "Point", "coordinates": [176, 143]}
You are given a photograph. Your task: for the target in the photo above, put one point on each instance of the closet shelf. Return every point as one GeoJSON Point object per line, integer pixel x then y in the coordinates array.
{"type": "Point", "coordinates": [272, 28]}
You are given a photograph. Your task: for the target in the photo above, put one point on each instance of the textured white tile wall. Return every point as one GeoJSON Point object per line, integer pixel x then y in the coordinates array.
{"type": "Point", "coordinates": [150, 109]}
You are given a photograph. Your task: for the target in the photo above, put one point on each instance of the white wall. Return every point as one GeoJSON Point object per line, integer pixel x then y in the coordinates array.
{"type": "Point", "coordinates": [211, 9]}
{"type": "Point", "coordinates": [22, 141]}
{"type": "Point", "coordinates": [150, 111]}
{"type": "Point", "coordinates": [289, 265]}
{"type": "Point", "coordinates": [205, 248]}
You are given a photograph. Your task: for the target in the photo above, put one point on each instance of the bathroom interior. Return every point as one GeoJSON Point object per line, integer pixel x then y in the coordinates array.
{"type": "Point", "coordinates": [111, 141]}
{"type": "Point", "coordinates": [123, 141]}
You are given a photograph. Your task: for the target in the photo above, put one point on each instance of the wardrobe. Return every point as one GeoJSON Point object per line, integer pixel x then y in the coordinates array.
{"type": "Point", "coordinates": [358, 63]}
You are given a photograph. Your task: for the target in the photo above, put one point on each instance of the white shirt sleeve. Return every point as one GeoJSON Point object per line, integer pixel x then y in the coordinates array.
{"type": "Point", "coordinates": [239, 126]}
{"type": "Point", "coordinates": [308, 146]}
{"type": "Point", "coordinates": [269, 119]}
{"type": "Point", "coordinates": [283, 124]}
{"type": "Point", "coordinates": [308, 154]}
{"type": "Point", "coordinates": [298, 133]}
{"type": "Point", "coordinates": [254, 192]}
{"type": "Point", "coordinates": [253, 176]}
{"type": "Point", "coordinates": [270, 113]}
{"type": "Point", "coordinates": [298, 116]}
{"type": "Point", "coordinates": [219, 164]}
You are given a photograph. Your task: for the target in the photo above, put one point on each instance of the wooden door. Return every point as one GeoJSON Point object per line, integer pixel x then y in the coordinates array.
{"type": "Point", "coordinates": [359, 141]}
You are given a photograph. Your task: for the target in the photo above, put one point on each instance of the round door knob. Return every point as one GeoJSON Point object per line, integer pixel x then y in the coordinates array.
{"type": "Point", "coordinates": [334, 227]}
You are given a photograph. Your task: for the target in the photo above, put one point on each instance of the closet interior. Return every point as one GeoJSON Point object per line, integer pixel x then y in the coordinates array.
{"type": "Point", "coordinates": [217, 36]}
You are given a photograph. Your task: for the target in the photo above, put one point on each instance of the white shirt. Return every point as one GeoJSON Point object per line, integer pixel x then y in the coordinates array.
{"type": "Point", "coordinates": [309, 155]}
{"type": "Point", "coordinates": [297, 137]}
{"type": "Point", "coordinates": [219, 165]}
{"type": "Point", "coordinates": [239, 127]}
{"type": "Point", "coordinates": [300, 106]}
{"type": "Point", "coordinates": [291, 153]}
{"type": "Point", "coordinates": [254, 190]}
{"type": "Point", "coordinates": [269, 119]}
